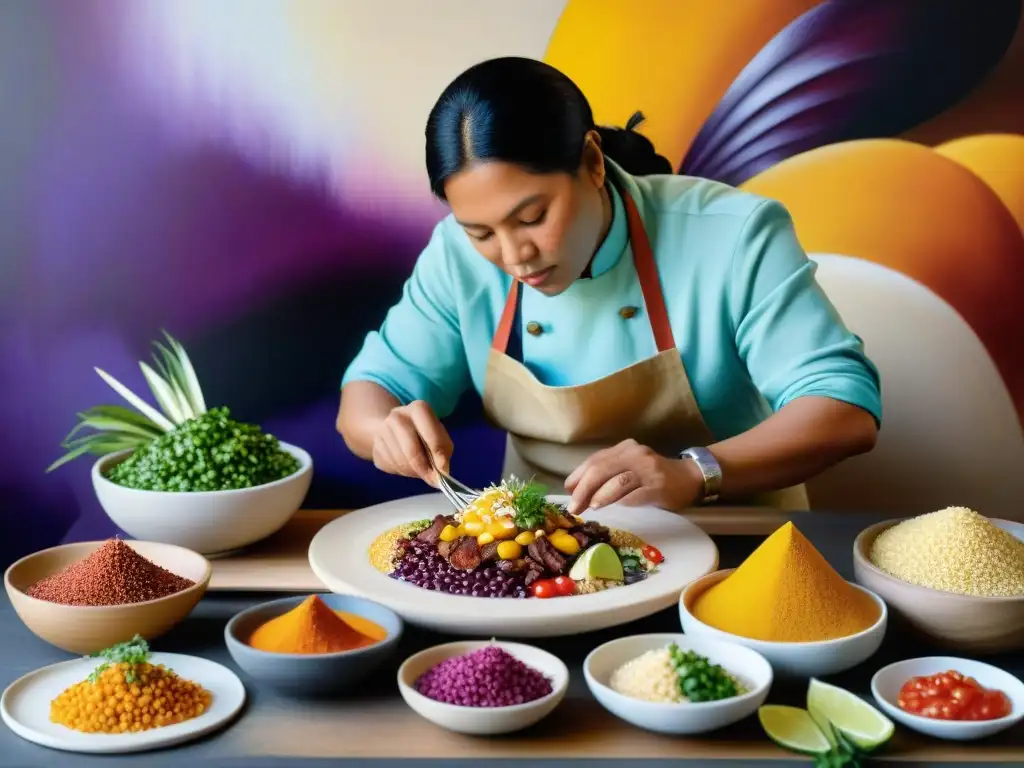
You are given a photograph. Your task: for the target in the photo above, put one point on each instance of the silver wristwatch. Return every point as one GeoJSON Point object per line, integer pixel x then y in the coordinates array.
{"type": "Point", "coordinates": [709, 468]}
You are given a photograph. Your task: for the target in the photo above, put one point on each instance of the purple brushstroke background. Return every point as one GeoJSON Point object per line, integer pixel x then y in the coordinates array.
{"type": "Point", "coordinates": [111, 233]}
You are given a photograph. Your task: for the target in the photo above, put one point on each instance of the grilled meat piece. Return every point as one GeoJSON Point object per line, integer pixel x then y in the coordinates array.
{"type": "Point", "coordinates": [534, 571]}
{"type": "Point", "coordinates": [582, 539]}
{"type": "Point", "coordinates": [465, 554]}
{"type": "Point", "coordinates": [544, 554]}
{"type": "Point", "coordinates": [433, 534]}
{"type": "Point", "coordinates": [444, 548]}
{"type": "Point", "coordinates": [595, 531]}
{"type": "Point", "coordinates": [512, 566]}
{"type": "Point", "coordinates": [489, 552]}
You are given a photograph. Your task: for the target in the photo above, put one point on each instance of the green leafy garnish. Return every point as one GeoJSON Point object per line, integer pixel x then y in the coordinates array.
{"type": "Point", "coordinates": [530, 501]}
{"type": "Point", "coordinates": [133, 652]}
{"type": "Point", "coordinates": [699, 679]}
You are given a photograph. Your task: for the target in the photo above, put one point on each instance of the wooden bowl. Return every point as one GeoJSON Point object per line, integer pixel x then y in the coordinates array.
{"type": "Point", "coordinates": [88, 629]}
{"type": "Point", "coordinates": [964, 622]}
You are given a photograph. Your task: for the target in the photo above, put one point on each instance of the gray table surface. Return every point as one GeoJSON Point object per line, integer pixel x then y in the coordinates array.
{"type": "Point", "coordinates": [202, 635]}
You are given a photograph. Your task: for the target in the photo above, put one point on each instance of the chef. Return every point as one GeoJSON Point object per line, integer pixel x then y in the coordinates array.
{"type": "Point", "coordinates": [643, 337]}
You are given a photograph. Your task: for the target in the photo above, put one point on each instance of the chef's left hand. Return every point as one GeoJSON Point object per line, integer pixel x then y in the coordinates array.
{"type": "Point", "coordinates": [633, 474]}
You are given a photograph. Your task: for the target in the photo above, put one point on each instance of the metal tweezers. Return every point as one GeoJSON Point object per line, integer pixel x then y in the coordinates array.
{"type": "Point", "coordinates": [458, 494]}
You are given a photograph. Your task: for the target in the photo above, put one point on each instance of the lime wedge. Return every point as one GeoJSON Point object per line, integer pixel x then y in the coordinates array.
{"type": "Point", "coordinates": [792, 728]}
{"type": "Point", "coordinates": [854, 718]}
{"type": "Point", "coordinates": [600, 561]}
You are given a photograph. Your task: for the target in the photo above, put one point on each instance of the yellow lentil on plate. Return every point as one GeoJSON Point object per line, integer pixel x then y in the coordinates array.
{"type": "Point", "coordinates": [954, 550]}
{"type": "Point", "coordinates": [156, 697]}
{"type": "Point", "coordinates": [384, 550]}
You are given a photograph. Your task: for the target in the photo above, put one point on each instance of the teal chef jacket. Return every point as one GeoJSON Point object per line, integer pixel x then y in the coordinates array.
{"type": "Point", "coordinates": [753, 327]}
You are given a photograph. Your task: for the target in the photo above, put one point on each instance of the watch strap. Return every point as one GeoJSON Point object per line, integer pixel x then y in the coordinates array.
{"type": "Point", "coordinates": [709, 469]}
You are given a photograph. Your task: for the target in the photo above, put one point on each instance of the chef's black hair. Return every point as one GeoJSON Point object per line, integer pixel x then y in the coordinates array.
{"type": "Point", "coordinates": [526, 112]}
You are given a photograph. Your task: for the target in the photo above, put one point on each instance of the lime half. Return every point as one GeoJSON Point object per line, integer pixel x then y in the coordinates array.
{"type": "Point", "coordinates": [600, 561]}
{"type": "Point", "coordinates": [792, 728]}
{"type": "Point", "coordinates": [853, 717]}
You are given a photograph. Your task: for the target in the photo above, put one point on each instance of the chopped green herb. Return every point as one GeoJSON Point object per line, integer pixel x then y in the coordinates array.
{"type": "Point", "coordinates": [180, 446]}
{"type": "Point", "coordinates": [530, 502]}
{"type": "Point", "coordinates": [699, 679]}
{"type": "Point", "coordinates": [134, 652]}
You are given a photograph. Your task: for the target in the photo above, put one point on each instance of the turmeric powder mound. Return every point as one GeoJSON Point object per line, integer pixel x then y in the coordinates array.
{"type": "Point", "coordinates": [786, 592]}
{"type": "Point", "coordinates": [312, 627]}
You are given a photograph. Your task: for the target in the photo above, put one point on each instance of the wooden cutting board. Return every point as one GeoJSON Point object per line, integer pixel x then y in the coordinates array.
{"type": "Point", "coordinates": [281, 564]}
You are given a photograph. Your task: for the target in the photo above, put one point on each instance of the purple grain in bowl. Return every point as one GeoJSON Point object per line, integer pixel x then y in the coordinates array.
{"type": "Point", "coordinates": [488, 677]}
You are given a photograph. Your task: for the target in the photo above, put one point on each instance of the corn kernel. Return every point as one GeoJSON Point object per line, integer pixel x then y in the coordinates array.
{"type": "Point", "coordinates": [473, 529]}
{"type": "Point", "coordinates": [565, 543]}
{"type": "Point", "coordinates": [449, 533]}
{"type": "Point", "coordinates": [484, 539]}
{"type": "Point", "coordinates": [509, 550]}
{"type": "Point", "coordinates": [525, 538]}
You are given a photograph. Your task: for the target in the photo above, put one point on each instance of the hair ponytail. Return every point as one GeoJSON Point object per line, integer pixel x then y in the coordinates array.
{"type": "Point", "coordinates": [631, 150]}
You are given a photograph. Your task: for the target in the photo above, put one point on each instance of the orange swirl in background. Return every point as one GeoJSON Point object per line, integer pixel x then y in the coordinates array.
{"type": "Point", "coordinates": [998, 160]}
{"type": "Point", "coordinates": [672, 59]}
{"type": "Point", "coordinates": [911, 209]}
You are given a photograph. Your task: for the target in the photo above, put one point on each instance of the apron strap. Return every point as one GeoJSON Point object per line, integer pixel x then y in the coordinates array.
{"type": "Point", "coordinates": [508, 316]}
{"type": "Point", "coordinates": [647, 273]}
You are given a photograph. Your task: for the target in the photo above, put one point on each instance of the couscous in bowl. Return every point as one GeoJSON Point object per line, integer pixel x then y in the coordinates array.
{"type": "Point", "coordinates": [970, 623]}
{"type": "Point", "coordinates": [747, 667]}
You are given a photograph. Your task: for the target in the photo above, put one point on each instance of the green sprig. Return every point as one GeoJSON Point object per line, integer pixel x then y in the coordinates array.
{"type": "Point", "coordinates": [133, 652]}
{"type": "Point", "coordinates": [530, 502]}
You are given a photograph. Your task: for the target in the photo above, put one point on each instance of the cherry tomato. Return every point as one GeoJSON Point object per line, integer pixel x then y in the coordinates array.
{"type": "Point", "coordinates": [544, 588]}
{"type": "Point", "coordinates": [653, 554]}
{"type": "Point", "coordinates": [952, 696]}
{"type": "Point", "coordinates": [565, 586]}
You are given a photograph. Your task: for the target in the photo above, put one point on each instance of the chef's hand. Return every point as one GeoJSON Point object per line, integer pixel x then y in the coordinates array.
{"type": "Point", "coordinates": [633, 474]}
{"type": "Point", "coordinates": [401, 444]}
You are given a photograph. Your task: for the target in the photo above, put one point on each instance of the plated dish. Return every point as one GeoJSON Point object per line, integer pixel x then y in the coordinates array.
{"type": "Point", "coordinates": [513, 542]}
{"type": "Point", "coordinates": [347, 556]}
{"type": "Point", "coordinates": [128, 701]}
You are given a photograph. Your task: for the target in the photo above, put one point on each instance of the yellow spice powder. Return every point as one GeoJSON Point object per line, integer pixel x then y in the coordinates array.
{"type": "Point", "coordinates": [156, 697]}
{"type": "Point", "coordinates": [786, 592]}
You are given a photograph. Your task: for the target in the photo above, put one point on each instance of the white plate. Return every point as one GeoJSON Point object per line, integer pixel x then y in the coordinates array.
{"type": "Point", "coordinates": [886, 684]}
{"type": "Point", "coordinates": [339, 556]}
{"type": "Point", "coordinates": [25, 706]}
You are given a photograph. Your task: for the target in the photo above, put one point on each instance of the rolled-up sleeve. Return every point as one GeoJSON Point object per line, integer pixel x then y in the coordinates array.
{"type": "Point", "coordinates": [788, 333]}
{"type": "Point", "coordinates": [418, 352]}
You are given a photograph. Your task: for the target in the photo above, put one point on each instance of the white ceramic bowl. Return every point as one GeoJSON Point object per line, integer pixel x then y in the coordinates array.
{"type": "Point", "coordinates": [208, 522]}
{"type": "Point", "coordinates": [886, 684]}
{"type": "Point", "coordinates": [810, 659]}
{"type": "Point", "coordinates": [747, 665]}
{"type": "Point", "coordinates": [483, 721]}
{"type": "Point", "coordinates": [966, 624]}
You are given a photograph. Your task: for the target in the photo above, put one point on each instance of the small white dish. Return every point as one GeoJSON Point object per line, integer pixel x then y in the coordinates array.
{"type": "Point", "coordinates": [792, 660]}
{"type": "Point", "coordinates": [746, 665]}
{"type": "Point", "coordinates": [483, 721]}
{"type": "Point", "coordinates": [886, 684]}
{"type": "Point", "coordinates": [25, 707]}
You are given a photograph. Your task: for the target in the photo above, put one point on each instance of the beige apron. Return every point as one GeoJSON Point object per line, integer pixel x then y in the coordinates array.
{"type": "Point", "coordinates": [551, 430]}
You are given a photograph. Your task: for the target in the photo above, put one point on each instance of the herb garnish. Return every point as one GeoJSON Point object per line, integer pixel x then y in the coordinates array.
{"type": "Point", "coordinates": [699, 679]}
{"type": "Point", "coordinates": [133, 652]}
{"type": "Point", "coordinates": [530, 502]}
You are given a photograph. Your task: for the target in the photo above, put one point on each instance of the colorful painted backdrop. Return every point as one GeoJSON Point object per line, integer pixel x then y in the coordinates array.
{"type": "Point", "coordinates": [248, 174]}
